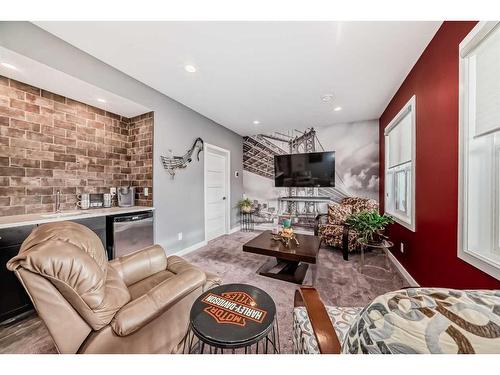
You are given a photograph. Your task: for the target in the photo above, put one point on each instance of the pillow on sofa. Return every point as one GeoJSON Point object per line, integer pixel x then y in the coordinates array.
{"type": "Point", "coordinates": [338, 213]}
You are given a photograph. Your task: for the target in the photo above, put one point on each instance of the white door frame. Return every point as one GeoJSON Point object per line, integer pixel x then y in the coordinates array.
{"type": "Point", "coordinates": [209, 146]}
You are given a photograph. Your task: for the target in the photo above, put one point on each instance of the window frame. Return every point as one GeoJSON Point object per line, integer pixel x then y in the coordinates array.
{"type": "Point", "coordinates": [408, 221]}
{"type": "Point", "coordinates": [491, 266]}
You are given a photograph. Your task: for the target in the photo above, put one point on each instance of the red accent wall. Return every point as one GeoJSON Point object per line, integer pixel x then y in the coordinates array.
{"type": "Point", "coordinates": [431, 252]}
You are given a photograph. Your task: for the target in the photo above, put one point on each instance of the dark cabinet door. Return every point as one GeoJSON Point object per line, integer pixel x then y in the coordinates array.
{"type": "Point", "coordinates": [13, 298]}
{"type": "Point", "coordinates": [96, 225]}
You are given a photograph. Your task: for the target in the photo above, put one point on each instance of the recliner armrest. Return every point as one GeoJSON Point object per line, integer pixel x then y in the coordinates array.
{"type": "Point", "coordinates": [139, 312]}
{"type": "Point", "coordinates": [177, 264]}
{"type": "Point", "coordinates": [140, 264]}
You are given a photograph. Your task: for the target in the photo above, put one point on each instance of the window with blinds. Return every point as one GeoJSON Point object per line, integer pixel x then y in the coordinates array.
{"type": "Point", "coordinates": [484, 70]}
{"type": "Point", "coordinates": [479, 183]}
{"type": "Point", "coordinates": [400, 166]}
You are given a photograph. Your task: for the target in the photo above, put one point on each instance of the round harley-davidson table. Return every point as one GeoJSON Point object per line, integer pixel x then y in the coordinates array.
{"type": "Point", "coordinates": [233, 318]}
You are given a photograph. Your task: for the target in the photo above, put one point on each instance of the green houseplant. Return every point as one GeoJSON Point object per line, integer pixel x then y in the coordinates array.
{"type": "Point", "coordinates": [370, 225]}
{"type": "Point", "coordinates": [245, 205]}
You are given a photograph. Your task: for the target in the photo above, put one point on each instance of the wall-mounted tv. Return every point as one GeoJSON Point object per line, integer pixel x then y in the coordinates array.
{"type": "Point", "coordinates": [314, 169]}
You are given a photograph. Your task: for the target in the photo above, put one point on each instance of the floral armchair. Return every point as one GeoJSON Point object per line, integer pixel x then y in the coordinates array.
{"type": "Point", "coordinates": [332, 227]}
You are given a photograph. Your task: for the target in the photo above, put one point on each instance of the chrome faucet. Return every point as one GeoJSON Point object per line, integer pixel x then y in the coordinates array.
{"type": "Point", "coordinates": [58, 201]}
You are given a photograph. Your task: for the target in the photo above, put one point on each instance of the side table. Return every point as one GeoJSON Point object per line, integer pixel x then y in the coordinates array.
{"type": "Point", "coordinates": [233, 318]}
{"type": "Point", "coordinates": [247, 224]}
{"type": "Point", "coordinates": [385, 245]}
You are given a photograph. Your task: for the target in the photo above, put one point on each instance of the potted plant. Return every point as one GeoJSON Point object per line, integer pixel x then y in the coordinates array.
{"type": "Point", "coordinates": [245, 205]}
{"type": "Point", "coordinates": [370, 225]}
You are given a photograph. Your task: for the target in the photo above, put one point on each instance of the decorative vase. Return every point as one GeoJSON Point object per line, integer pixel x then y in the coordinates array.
{"type": "Point", "coordinates": [246, 209]}
{"type": "Point", "coordinates": [287, 223]}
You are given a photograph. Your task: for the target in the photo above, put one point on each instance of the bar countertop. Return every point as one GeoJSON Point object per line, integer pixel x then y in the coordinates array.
{"type": "Point", "coordinates": [48, 217]}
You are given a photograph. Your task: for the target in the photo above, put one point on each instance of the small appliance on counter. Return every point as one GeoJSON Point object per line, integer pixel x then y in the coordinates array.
{"type": "Point", "coordinates": [96, 200]}
{"type": "Point", "coordinates": [126, 196]}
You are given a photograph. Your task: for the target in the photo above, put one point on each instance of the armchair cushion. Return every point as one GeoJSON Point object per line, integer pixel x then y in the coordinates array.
{"type": "Point", "coordinates": [332, 235]}
{"type": "Point", "coordinates": [359, 204]}
{"type": "Point", "coordinates": [140, 264]}
{"type": "Point", "coordinates": [338, 213]}
{"type": "Point", "coordinates": [150, 305]}
{"type": "Point", "coordinates": [304, 340]}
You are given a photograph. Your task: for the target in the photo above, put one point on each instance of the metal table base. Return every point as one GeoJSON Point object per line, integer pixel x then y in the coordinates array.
{"type": "Point", "coordinates": [267, 344]}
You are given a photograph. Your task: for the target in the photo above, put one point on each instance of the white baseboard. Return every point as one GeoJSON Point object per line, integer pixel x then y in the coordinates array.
{"type": "Point", "coordinates": [190, 249]}
{"type": "Point", "coordinates": [411, 281]}
{"type": "Point", "coordinates": [235, 229]}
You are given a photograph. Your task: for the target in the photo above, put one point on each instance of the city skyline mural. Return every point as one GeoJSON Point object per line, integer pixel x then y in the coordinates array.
{"type": "Point", "coordinates": [356, 166]}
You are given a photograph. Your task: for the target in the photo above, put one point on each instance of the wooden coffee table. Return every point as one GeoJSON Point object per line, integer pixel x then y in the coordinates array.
{"type": "Point", "coordinates": [288, 264]}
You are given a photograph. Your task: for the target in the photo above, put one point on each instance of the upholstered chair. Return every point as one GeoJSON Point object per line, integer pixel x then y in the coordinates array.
{"type": "Point", "coordinates": [406, 321]}
{"type": "Point", "coordinates": [332, 227]}
{"type": "Point", "coordinates": [138, 303]}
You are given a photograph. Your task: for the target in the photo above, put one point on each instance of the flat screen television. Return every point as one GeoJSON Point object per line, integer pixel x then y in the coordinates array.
{"type": "Point", "coordinates": [314, 169]}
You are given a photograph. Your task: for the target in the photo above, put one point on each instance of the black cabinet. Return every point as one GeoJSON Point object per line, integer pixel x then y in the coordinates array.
{"type": "Point", "coordinates": [97, 225]}
{"type": "Point", "coordinates": [14, 300]}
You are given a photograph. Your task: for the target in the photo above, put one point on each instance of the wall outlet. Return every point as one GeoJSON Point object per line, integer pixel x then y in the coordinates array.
{"type": "Point", "coordinates": [146, 191]}
{"type": "Point", "coordinates": [112, 190]}
{"type": "Point", "coordinates": [179, 236]}
{"type": "Point", "coordinates": [402, 247]}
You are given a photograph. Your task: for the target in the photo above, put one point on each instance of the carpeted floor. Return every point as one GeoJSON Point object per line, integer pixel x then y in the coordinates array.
{"type": "Point", "coordinates": [339, 283]}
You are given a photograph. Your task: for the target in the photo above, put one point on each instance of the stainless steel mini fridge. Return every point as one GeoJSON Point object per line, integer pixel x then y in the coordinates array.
{"type": "Point", "coordinates": [129, 232]}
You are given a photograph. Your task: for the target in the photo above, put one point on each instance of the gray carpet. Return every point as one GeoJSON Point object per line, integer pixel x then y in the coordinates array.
{"type": "Point", "coordinates": [339, 283]}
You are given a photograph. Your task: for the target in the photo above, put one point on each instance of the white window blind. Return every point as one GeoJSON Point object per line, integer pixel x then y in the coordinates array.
{"type": "Point", "coordinates": [479, 184]}
{"type": "Point", "coordinates": [399, 139]}
{"type": "Point", "coordinates": [400, 144]}
{"type": "Point", "coordinates": [485, 68]}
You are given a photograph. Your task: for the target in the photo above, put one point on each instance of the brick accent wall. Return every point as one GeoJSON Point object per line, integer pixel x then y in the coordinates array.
{"type": "Point", "coordinates": [141, 157]}
{"type": "Point", "coordinates": [49, 143]}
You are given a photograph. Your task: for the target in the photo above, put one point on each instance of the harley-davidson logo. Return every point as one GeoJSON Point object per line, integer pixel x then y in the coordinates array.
{"type": "Point", "coordinates": [233, 308]}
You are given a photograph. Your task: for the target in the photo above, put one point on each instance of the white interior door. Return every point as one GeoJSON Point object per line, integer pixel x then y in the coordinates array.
{"type": "Point", "coordinates": [216, 193]}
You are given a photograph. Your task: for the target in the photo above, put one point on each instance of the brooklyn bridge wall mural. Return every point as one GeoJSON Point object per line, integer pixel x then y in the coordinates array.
{"type": "Point", "coordinates": [356, 166]}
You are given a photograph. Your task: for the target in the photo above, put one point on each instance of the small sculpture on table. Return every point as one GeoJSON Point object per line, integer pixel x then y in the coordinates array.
{"type": "Point", "coordinates": [286, 234]}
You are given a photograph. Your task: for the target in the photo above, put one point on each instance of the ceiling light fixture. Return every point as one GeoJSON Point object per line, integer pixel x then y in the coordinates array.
{"type": "Point", "coordinates": [101, 100]}
{"type": "Point", "coordinates": [256, 122]}
{"type": "Point", "coordinates": [190, 68]}
{"type": "Point", "coordinates": [336, 109]}
{"type": "Point", "coordinates": [8, 66]}
{"type": "Point", "coordinates": [327, 98]}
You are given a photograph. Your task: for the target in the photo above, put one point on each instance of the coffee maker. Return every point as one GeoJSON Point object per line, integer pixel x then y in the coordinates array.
{"type": "Point", "coordinates": [126, 196]}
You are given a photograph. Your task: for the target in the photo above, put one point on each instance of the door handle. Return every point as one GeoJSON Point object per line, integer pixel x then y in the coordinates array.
{"type": "Point", "coordinates": [223, 198]}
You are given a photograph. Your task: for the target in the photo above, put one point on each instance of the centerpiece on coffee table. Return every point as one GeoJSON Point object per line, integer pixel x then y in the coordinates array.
{"type": "Point", "coordinates": [286, 234]}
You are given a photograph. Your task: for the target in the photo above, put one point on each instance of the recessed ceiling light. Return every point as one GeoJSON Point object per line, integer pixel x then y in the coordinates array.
{"type": "Point", "coordinates": [101, 100]}
{"type": "Point", "coordinates": [256, 122]}
{"type": "Point", "coordinates": [327, 98]}
{"type": "Point", "coordinates": [336, 109]}
{"type": "Point", "coordinates": [190, 68]}
{"type": "Point", "coordinates": [8, 66]}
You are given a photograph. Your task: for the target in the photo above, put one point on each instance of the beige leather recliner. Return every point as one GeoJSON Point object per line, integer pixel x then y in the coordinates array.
{"type": "Point", "coordinates": [138, 303]}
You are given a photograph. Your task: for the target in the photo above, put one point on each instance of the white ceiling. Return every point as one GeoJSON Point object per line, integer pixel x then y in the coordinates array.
{"type": "Point", "coordinates": [274, 72]}
{"type": "Point", "coordinates": [35, 73]}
